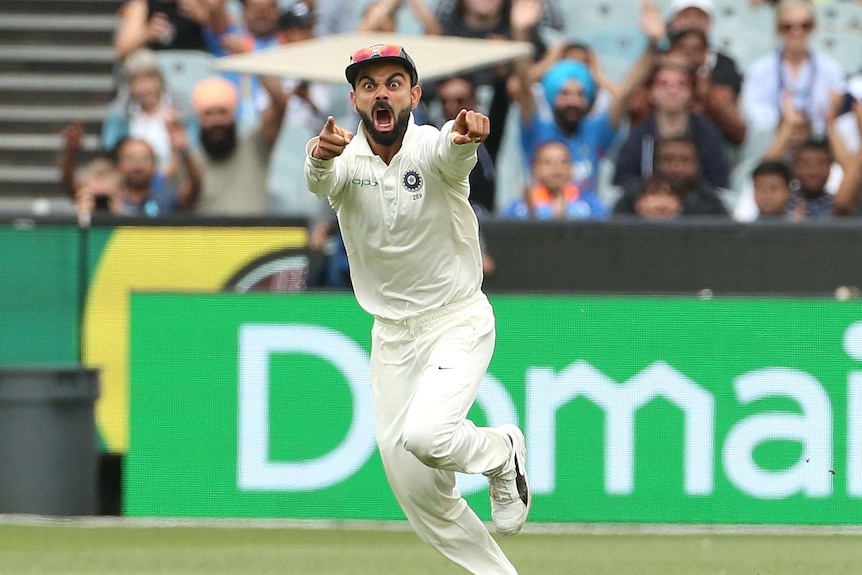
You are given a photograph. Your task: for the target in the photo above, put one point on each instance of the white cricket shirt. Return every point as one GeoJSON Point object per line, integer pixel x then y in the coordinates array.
{"type": "Point", "coordinates": [411, 236]}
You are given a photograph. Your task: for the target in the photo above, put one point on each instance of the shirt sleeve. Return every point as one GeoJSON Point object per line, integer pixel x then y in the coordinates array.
{"type": "Point", "coordinates": [453, 161]}
{"type": "Point", "coordinates": [759, 98]}
{"type": "Point", "coordinates": [529, 136]}
{"type": "Point", "coordinates": [605, 132]}
{"type": "Point", "coordinates": [325, 178]}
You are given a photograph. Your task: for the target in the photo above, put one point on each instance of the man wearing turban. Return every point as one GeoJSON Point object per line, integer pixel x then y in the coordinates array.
{"type": "Point", "coordinates": [570, 90]}
{"type": "Point", "coordinates": [234, 167]}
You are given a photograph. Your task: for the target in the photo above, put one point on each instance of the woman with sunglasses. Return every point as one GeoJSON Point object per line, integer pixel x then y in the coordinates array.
{"type": "Point", "coordinates": [808, 77]}
{"type": "Point", "coordinates": [401, 194]}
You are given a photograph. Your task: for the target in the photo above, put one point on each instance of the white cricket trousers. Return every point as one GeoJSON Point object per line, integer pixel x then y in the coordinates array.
{"type": "Point", "coordinates": [425, 374]}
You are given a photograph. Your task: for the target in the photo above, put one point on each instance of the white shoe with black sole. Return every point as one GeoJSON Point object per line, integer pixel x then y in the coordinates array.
{"type": "Point", "coordinates": [508, 488]}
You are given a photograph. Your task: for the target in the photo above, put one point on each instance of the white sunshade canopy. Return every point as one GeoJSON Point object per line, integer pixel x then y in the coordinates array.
{"type": "Point", "coordinates": [324, 59]}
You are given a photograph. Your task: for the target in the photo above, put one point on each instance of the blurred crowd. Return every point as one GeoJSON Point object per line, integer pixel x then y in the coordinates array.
{"type": "Point", "coordinates": [671, 138]}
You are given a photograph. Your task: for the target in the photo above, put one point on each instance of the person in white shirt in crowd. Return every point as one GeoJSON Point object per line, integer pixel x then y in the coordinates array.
{"type": "Point", "coordinates": [809, 77]}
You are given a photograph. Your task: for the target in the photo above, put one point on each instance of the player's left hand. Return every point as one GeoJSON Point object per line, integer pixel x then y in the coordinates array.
{"type": "Point", "coordinates": [470, 128]}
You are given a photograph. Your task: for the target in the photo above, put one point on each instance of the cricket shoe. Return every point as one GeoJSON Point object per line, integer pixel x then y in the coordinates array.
{"type": "Point", "coordinates": [508, 486]}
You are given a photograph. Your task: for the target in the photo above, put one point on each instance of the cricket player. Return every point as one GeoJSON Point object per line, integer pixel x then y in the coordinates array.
{"type": "Point", "coordinates": [401, 195]}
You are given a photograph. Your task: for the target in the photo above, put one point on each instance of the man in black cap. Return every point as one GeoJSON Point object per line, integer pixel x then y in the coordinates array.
{"type": "Point", "coordinates": [401, 194]}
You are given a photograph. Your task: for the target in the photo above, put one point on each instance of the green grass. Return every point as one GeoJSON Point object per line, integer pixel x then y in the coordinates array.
{"type": "Point", "coordinates": [118, 549]}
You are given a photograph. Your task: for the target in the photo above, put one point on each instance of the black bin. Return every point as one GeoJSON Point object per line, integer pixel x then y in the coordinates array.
{"type": "Point", "coordinates": [48, 442]}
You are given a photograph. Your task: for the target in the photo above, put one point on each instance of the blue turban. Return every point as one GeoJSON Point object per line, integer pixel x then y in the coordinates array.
{"type": "Point", "coordinates": [563, 71]}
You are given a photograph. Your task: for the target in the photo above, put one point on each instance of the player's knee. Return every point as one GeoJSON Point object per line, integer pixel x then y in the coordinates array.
{"type": "Point", "coordinates": [430, 444]}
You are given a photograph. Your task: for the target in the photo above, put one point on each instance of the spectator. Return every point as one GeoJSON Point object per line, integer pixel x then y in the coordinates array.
{"type": "Point", "coordinates": [259, 31]}
{"type": "Point", "coordinates": [772, 191]}
{"type": "Point", "coordinates": [99, 189]}
{"type": "Point", "coordinates": [234, 168]}
{"type": "Point", "coordinates": [794, 130]}
{"type": "Point", "coordinates": [136, 162]}
{"type": "Point", "coordinates": [163, 25]}
{"type": "Point", "coordinates": [553, 195]}
{"type": "Point", "coordinates": [144, 191]}
{"type": "Point", "coordinates": [570, 92]}
{"type": "Point", "coordinates": [848, 115]}
{"type": "Point", "coordinates": [606, 88]}
{"type": "Point", "coordinates": [331, 16]}
{"type": "Point", "coordinates": [718, 67]}
{"type": "Point", "coordinates": [658, 199]}
{"type": "Point", "coordinates": [491, 19]}
{"type": "Point", "coordinates": [849, 194]}
{"type": "Point", "coordinates": [456, 94]}
{"type": "Point", "coordinates": [714, 98]}
{"type": "Point", "coordinates": [670, 91]}
{"type": "Point", "coordinates": [489, 264]}
{"type": "Point", "coordinates": [810, 167]}
{"type": "Point", "coordinates": [330, 267]}
{"type": "Point", "coordinates": [552, 15]}
{"type": "Point", "coordinates": [676, 158]}
{"type": "Point", "coordinates": [381, 16]}
{"type": "Point", "coordinates": [73, 134]}
{"type": "Point", "coordinates": [795, 70]}
{"type": "Point", "coordinates": [146, 110]}
{"type": "Point", "coordinates": [296, 24]}
{"type": "Point", "coordinates": [307, 101]}
{"type": "Point", "coordinates": [717, 81]}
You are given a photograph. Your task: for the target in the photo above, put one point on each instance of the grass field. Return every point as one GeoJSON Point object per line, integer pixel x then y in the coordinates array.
{"type": "Point", "coordinates": [120, 548]}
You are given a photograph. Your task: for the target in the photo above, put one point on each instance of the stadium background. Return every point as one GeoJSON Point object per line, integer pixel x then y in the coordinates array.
{"type": "Point", "coordinates": [156, 309]}
{"type": "Point", "coordinates": [687, 373]}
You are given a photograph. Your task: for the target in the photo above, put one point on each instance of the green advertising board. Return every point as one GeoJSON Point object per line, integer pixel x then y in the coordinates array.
{"type": "Point", "coordinates": [635, 409]}
{"type": "Point", "coordinates": [40, 295]}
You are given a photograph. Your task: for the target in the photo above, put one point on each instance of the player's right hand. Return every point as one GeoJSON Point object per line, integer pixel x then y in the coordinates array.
{"type": "Point", "coordinates": [331, 141]}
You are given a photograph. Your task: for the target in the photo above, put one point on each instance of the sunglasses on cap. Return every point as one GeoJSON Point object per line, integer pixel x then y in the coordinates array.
{"type": "Point", "coordinates": [392, 52]}
{"type": "Point", "coordinates": [377, 51]}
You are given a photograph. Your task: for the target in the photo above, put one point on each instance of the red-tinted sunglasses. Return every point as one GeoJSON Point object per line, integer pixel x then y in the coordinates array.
{"type": "Point", "coordinates": [378, 51]}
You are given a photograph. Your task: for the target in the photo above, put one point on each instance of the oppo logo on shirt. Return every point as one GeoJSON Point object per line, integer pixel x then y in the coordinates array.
{"type": "Point", "coordinates": [363, 183]}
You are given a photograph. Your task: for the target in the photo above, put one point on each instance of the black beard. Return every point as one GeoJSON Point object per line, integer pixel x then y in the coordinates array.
{"type": "Point", "coordinates": [566, 123]}
{"type": "Point", "coordinates": [219, 141]}
{"type": "Point", "coordinates": [386, 139]}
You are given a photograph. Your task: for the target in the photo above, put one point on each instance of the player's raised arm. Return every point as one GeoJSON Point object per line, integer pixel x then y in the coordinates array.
{"type": "Point", "coordinates": [331, 141]}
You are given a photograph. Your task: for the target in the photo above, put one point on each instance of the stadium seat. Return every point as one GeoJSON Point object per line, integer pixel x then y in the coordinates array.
{"type": "Point", "coordinates": [184, 68]}
{"type": "Point", "coordinates": [743, 31]}
{"type": "Point", "coordinates": [618, 48]}
{"type": "Point", "coordinates": [583, 17]}
{"type": "Point", "coordinates": [839, 16]}
{"type": "Point", "coordinates": [845, 47]}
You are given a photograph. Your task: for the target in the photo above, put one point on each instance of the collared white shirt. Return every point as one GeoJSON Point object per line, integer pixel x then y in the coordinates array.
{"type": "Point", "coordinates": [769, 76]}
{"type": "Point", "coordinates": [411, 236]}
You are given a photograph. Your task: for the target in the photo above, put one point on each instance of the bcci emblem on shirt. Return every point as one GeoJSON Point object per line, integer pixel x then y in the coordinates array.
{"type": "Point", "coordinates": [412, 180]}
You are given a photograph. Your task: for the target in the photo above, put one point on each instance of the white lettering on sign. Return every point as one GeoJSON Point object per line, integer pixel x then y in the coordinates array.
{"type": "Point", "coordinates": [547, 392]}
{"type": "Point", "coordinates": [812, 429]}
{"type": "Point", "coordinates": [255, 472]}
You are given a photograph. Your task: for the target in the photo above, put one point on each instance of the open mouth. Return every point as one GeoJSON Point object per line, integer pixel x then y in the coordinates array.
{"type": "Point", "coordinates": [384, 119]}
